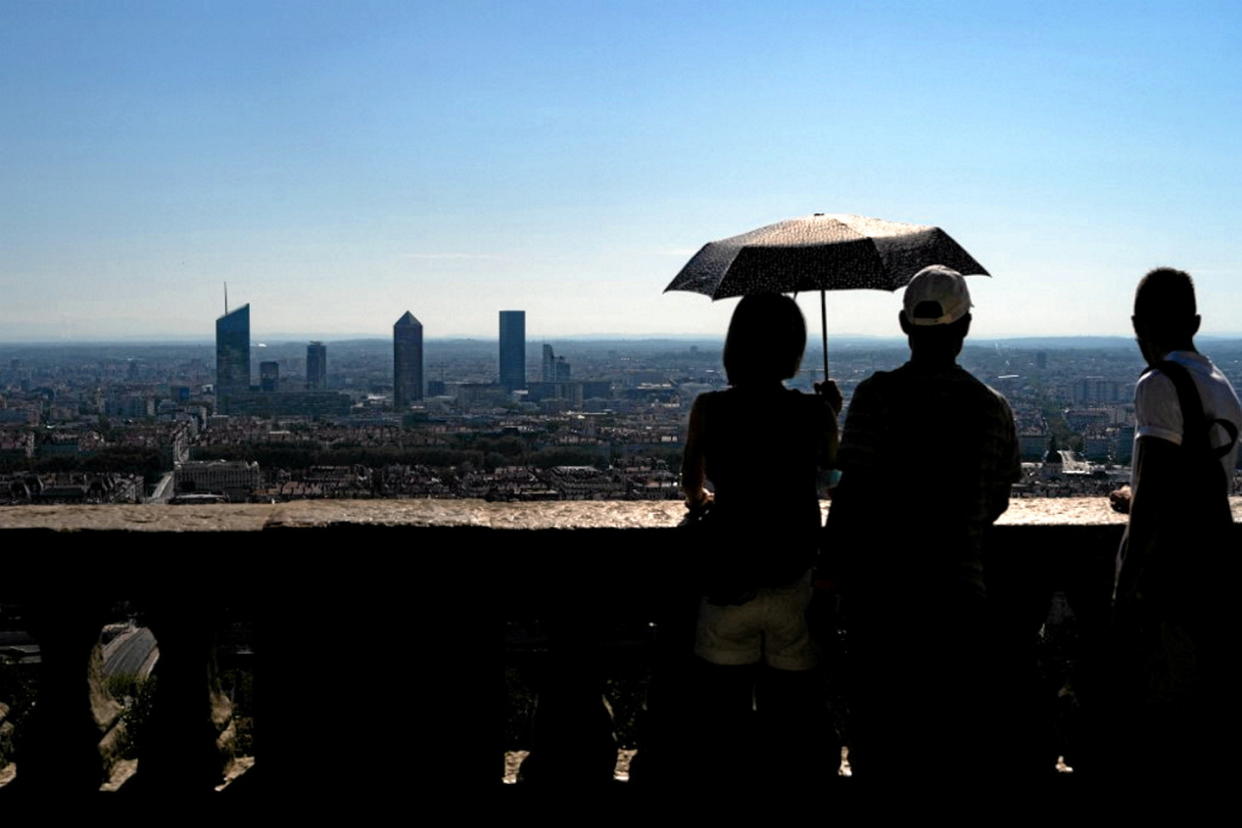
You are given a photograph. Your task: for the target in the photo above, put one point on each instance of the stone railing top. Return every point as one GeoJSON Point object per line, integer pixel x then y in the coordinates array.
{"type": "Point", "coordinates": [579, 514]}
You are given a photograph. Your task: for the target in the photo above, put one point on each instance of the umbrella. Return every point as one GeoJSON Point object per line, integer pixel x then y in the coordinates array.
{"type": "Point", "coordinates": [821, 252]}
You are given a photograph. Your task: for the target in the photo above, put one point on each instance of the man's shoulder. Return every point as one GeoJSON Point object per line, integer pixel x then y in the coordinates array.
{"type": "Point", "coordinates": [1215, 387]}
{"type": "Point", "coordinates": [879, 378]}
{"type": "Point", "coordinates": [1157, 409]}
{"type": "Point", "coordinates": [995, 397]}
{"type": "Point", "coordinates": [1198, 366]}
{"type": "Point", "coordinates": [875, 383]}
{"type": "Point", "coordinates": [968, 385]}
{"type": "Point", "coordinates": [1153, 382]}
{"type": "Point", "coordinates": [708, 397]}
{"type": "Point", "coordinates": [1156, 395]}
{"type": "Point", "coordinates": [1158, 401]}
{"type": "Point", "coordinates": [956, 381]}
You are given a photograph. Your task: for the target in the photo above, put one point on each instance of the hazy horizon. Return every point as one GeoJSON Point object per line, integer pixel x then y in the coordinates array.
{"type": "Point", "coordinates": [813, 342]}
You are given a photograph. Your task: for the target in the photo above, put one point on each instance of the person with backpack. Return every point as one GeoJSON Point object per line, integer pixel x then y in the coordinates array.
{"type": "Point", "coordinates": [1174, 609]}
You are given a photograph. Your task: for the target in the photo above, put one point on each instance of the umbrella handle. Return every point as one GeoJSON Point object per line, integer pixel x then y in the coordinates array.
{"type": "Point", "coordinates": [823, 326]}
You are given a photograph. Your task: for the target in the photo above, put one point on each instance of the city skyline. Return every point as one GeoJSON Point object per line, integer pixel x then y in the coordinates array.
{"type": "Point", "coordinates": [337, 157]}
{"type": "Point", "coordinates": [612, 412]}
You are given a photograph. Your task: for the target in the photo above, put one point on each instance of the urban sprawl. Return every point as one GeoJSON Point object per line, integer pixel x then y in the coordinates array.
{"type": "Point", "coordinates": [506, 419]}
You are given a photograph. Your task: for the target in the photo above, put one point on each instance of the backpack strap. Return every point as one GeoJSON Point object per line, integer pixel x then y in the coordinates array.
{"type": "Point", "coordinates": [1194, 421]}
{"type": "Point", "coordinates": [1232, 431]}
{"type": "Point", "coordinates": [1195, 425]}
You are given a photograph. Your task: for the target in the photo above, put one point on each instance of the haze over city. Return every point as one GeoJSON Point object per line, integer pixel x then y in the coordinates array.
{"type": "Point", "coordinates": [340, 164]}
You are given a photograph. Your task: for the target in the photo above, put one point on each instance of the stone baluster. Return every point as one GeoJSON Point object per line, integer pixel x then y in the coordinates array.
{"type": "Point", "coordinates": [58, 748]}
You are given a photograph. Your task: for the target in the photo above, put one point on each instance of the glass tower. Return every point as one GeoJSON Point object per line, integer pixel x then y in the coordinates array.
{"type": "Point", "coordinates": [513, 350]}
{"type": "Point", "coordinates": [233, 351]}
{"type": "Point", "coordinates": [316, 367]}
{"type": "Point", "coordinates": [407, 361]}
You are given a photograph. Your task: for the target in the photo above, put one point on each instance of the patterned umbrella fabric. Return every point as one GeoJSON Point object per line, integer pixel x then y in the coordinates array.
{"type": "Point", "coordinates": [824, 251]}
{"type": "Point", "coordinates": [821, 252]}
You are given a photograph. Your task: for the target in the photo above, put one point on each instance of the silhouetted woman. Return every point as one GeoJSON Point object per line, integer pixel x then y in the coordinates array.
{"type": "Point", "coordinates": [761, 446]}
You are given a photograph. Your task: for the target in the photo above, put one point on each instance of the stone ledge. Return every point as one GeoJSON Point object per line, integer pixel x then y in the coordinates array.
{"type": "Point", "coordinates": [578, 514]}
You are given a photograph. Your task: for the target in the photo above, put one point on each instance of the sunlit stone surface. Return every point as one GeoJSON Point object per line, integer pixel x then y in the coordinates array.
{"type": "Point", "coordinates": [575, 514]}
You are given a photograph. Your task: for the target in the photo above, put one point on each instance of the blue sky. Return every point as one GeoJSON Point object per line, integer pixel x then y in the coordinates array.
{"type": "Point", "coordinates": [339, 163]}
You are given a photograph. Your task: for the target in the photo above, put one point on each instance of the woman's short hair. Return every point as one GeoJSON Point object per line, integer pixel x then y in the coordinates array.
{"type": "Point", "coordinates": [767, 336]}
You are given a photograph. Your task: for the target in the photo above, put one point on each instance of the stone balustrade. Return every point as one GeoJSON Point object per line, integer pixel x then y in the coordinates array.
{"type": "Point", "coordinates": [381, 627]}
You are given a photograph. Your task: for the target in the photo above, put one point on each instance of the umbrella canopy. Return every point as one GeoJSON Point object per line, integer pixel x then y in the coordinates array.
{"type": "Point", "coordinates": [821, 252]}
{"type": "Point", "coordinates": [824, 251]}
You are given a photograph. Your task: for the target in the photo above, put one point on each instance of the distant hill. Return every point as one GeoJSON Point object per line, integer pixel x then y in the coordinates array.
{"type": "Point", "coordinates": [1053, 343]}
{"type": "Point", "coordinates": [1057, 342]}
{"type": "Point", "coordinates": [598, 344]}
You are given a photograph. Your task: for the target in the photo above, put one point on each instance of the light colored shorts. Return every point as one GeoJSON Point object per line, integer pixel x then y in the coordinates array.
{"type": "Point", "coordinates": [770, 627]}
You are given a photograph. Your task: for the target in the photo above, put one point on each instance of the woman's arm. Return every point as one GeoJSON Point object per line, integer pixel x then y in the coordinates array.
{"type": "Point", "coordinates": [692, 466]}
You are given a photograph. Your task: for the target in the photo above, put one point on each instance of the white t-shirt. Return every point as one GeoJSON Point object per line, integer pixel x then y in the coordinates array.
{"type": "Point", "coordinates": [1158, 414]}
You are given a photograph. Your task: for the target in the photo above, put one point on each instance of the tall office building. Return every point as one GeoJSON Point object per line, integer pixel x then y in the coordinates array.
{"type": "Point", "coordinates": [269, 375]}
{"type": "Point", "coordinates": [555, 369]}
{"type": "Point", "coordinates": [233, 351]}
{"type": "Point", "coordinates": [316, 367]}
{"type": "Point", "coordinates": [548, 374]}
{"type": "Point", "coordinates": [407, 361]}
{"type": "Point", "coordinates": [513, 350]}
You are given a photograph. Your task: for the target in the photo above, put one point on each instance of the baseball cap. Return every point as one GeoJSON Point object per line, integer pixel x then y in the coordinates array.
{"type": "Point", "coordinates": [942, 287]}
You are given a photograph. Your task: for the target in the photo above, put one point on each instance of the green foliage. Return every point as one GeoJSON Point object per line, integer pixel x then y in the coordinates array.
{"type": "Point", "coordinates": [567, 456]}
{"type": "Point", "coordinates": [303, 455]}
{"type": "Point", "coordinates": [465, 453]}
{"type": "Point", "coordinates": [136, 694]}
{"type": "Point", "coordinates": [147, 462]}
{"type": "Point", "coordinates": [671, 458]}
{"type": "Point", "coordinates": [1054, 416]}
{"type": "Point", "coordinates": [17, 690]}
{"type": "Point", "coordinates": [238, 685]}
{"type": "Point", "coordinates": [126, 686]}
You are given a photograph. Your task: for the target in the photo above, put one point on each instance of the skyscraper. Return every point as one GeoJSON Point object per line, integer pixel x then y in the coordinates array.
{"type": "Point", "coordinates": [316, 367]}
{"type": "Point", "coordinates": [233, 351]}
{"type": "Point", "coordinates": [555, 369]}
{"type": "Point", "coordinates": [549, 364]}
{"type": "Point", "coordinates": [513, 350]}
{"type": "Point", "coordinates": [407, 360]}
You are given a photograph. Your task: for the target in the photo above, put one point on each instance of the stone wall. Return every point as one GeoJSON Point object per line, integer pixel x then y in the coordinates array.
{"type": "Point", "coordinates": [381, 628]}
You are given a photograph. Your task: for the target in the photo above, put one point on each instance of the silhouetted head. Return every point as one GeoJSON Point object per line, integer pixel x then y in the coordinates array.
{"type": "Point", "coordinates": [935, 314]}
{"type": "Point", "coordinates": [1165, 317]}
{"type": "Point", "coordinates": [766, 338]}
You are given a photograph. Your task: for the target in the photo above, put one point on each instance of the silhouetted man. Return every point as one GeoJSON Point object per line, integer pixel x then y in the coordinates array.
{"type": "Point", "coordinates": [1175, 594]}
{"type": "Point", "coordinates": [927, 459]}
